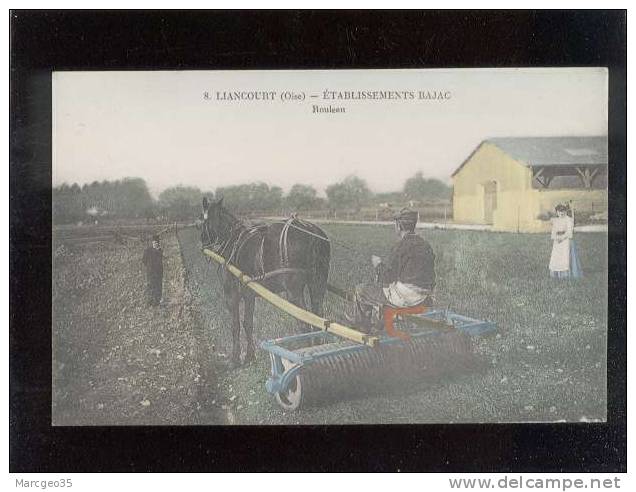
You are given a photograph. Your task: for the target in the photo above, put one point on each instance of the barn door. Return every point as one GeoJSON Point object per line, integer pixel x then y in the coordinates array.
{"type": "Point", "coordinates": [490, 200]}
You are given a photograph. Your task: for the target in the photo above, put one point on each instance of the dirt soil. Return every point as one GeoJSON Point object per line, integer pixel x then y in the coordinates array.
{"type": "Point", "coordinates": [116, 360]}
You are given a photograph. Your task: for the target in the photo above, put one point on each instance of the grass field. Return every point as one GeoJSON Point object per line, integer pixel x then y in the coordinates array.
{"type": "Point", "coordinates": [546, 363]}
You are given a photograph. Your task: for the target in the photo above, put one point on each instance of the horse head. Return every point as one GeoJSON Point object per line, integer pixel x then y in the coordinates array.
{"type": "Point", "coordinates": [213, 225]}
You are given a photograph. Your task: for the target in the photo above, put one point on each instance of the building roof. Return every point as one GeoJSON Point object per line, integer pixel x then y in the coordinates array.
{"type": "Point", "coordinates": [551, 151]}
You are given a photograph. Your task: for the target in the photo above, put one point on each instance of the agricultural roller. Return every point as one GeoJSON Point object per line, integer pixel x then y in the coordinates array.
{"type": "Point", "coordinates": [339, 362]}
{"type": "Point", "coordinates": [320, 367]}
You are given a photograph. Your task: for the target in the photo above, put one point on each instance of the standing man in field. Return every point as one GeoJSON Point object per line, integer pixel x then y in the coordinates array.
{"type": "Point", "coordinates": [406, 278]}
{"type": "Point", "coordinates": [153, 261]}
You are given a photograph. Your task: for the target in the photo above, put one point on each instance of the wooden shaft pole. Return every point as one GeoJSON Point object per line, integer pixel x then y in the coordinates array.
{"type": "Point", "coordinates": [293, 310]}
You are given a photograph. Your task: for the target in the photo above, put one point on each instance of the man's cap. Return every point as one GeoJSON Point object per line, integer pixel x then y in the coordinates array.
{"type": "Point", "coordinates": [155, 237]}
{"type": "Point", "coordinates": [406, 215]}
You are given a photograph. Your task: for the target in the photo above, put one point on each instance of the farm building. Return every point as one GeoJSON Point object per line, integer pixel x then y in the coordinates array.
{"type": "Point", "coordinates": [514, 183]}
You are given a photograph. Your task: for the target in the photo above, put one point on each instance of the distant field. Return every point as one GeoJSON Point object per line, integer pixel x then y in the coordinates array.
{"type": "Point", "coordinates": [547, 362]}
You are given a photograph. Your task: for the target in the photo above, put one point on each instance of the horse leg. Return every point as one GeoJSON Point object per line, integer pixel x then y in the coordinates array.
{"type": "Point", "coordinates": [318, 281]}
{"type": "Point", "coordinates": [317, 292]}
{"type": "Point", "coordinates": [248, 326]}
{"type": "Point", "coordinates": [233, 305]}
{"type": "Point", "coordinates": [297, 297]}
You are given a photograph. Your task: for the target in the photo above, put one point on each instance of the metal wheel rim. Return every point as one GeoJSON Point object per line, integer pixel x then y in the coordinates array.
{"type": "Point", "coordinates": [292, 397]}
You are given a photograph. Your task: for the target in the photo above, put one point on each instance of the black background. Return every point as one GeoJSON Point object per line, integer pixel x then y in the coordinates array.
{"type": "Point", "coordinates": [42, 41]}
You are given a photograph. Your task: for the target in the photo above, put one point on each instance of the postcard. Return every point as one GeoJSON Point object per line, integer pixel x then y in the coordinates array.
{"type": "Point", "coordinates": [330, 246]}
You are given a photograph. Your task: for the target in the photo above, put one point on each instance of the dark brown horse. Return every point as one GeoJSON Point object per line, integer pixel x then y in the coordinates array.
{"type": "Point", "coordinates": [286, 256]}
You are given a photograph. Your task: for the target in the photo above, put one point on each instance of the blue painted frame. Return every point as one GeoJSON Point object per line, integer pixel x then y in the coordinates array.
{"type": "Point", "coordinates": [280, 378]}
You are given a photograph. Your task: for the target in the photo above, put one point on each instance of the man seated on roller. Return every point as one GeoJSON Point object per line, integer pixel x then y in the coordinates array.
{"type": "Point", "coordinates": [406, 278]}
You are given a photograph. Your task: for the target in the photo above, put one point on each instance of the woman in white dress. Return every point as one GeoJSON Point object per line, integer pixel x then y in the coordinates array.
{"type": "Point", "coordinates": [564, 261]}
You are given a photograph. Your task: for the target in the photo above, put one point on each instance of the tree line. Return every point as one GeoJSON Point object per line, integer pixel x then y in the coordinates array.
{"type": "Point", "coordinates": [130, 198]}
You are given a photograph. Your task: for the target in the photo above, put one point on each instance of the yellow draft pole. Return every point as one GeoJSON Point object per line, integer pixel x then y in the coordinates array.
{"type": "Point", "coordinates": [293, 310]}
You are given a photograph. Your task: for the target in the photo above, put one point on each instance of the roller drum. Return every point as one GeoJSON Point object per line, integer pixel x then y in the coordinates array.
{"type": "Point", "coordinates": [369, 371]}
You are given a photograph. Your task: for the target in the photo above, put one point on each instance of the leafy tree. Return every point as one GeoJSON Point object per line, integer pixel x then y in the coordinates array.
{"type": "Point", "coordinates": [419, 188]}
{"type": "Point", "coordinates": [338, 196]}
{"type": "Point", "coordinates": [135, 197]}
{"type": "Point", "coordinates": [253, 197]}
{"type": "Point", "coordinates": [274, 199]}
{"type": "Point", "coordinates": [258, 196]}
{"type": "Point", "coordinates": [352, 192]}
{"type": "Point", "coordinates": [180, 202]}
{"type": "Point", "coordinates": [126, 198]}
{"type": "Point", "coordinates": [235, 198]}
{"type": "Point", "coordinates": [302, 197]}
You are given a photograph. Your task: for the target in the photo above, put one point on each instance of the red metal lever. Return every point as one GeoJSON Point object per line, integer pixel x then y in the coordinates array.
{"type": "Point", "coordinates": [390, 312]}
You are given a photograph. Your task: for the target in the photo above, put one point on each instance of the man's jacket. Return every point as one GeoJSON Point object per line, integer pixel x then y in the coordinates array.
{"type": "Point", "coordinates": [153, 260]}
{"type": "Point", "coordinates": [411, 261]}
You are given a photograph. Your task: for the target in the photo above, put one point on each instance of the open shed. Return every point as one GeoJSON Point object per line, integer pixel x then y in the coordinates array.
{"type": "Point", "coordinates": [515, 183]}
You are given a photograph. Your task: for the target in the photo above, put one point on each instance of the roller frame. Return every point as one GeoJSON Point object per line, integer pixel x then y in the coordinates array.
{"type": "Point", "coordinates": [280, 379]}
{"type": "Point", "coordinates": [430, 323]}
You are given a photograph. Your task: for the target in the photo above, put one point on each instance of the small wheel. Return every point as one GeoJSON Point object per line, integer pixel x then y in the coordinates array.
{"type": "Point", "coordinates": [292, 397]}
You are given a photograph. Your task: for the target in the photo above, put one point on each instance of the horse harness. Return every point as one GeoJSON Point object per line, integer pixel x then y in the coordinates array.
{"type": "Point", "coordinates": [239, 235]}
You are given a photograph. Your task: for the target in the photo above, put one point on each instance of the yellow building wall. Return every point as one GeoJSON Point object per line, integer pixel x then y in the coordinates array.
{"type": "Point", "coordinates": [487, 164]}
{"type": "Point", "coordinates": [519, 206]}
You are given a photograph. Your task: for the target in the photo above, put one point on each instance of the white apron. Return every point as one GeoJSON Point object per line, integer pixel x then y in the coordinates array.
{"type": "Point", "coordinates": [562, 227]}
{"type": "Point", "coordinates": [404, 295]}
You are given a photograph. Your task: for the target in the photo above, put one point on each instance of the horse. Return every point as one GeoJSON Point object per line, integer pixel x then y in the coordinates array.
{"type": "Point", "coordinates": [285, 257]}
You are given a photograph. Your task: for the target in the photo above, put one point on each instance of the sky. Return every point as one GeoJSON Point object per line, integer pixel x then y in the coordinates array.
{"type": "Point", "coordinates": [158, 125]}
